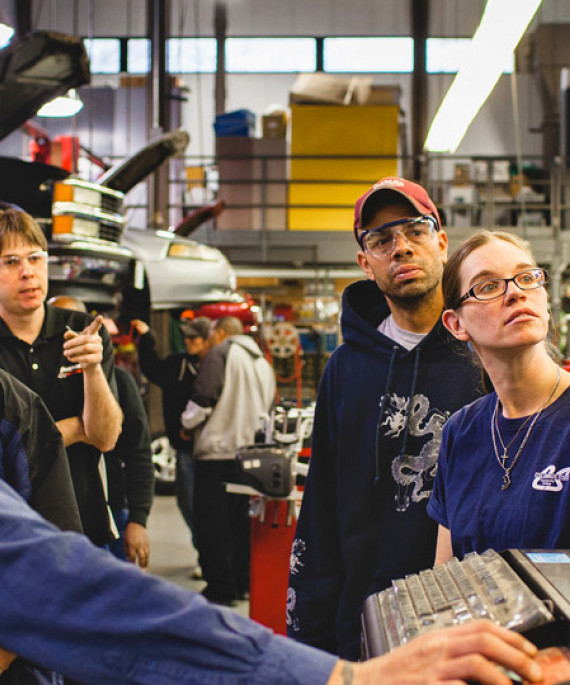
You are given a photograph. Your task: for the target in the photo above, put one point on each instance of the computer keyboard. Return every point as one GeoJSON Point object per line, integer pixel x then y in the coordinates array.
{"type": "Point", "coordinates": [479, 586]}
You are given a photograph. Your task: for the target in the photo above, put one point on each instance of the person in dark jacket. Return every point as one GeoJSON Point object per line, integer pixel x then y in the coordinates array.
{"type": "Point", "coordinates": [129, 468]}
{"type": "Point", "coordinates": [175, 376]}
{"type": "Point", "coordinates": [130, 475]}
{"type": "Point", "coordinates": [382, 403]}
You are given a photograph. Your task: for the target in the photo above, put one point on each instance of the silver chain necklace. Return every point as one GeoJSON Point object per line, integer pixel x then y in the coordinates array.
{"type": "Point", "coordinates": [502, 460]}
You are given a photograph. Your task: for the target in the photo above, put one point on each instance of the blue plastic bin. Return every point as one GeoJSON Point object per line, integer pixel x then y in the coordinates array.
{"type": "Point", "coordinates": [241, 122]}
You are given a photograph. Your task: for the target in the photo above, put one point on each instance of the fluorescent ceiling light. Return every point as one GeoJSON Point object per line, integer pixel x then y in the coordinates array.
{"type": "Point", "coordinates": [65, 106]}
{"type": "Point", "coordinates": [6, 33]}
{"type": "Point", "coordinates": [502, 26]}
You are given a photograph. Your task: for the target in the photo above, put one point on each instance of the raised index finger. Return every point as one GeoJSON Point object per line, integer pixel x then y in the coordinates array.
{"type": "Point", "coordinates": [94, 326]}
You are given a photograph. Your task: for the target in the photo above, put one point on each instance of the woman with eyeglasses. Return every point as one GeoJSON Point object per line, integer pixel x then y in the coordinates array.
{"type": "Point", "coordinates": [503, 476]}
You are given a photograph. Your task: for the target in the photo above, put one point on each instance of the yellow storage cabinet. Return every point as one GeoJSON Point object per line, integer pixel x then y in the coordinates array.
{"type": "Point", "coordinates": [322, 201]}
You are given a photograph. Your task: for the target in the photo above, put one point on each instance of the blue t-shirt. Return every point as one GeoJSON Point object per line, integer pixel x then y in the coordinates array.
{"type": "Point", "coordinates": [534, 512]}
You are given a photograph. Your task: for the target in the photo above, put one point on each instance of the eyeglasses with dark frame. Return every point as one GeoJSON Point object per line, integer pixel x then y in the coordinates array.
{"type": "Point", "coordinates": [417, 230]}
{"type": "Point", "coordinates": [492, 288]}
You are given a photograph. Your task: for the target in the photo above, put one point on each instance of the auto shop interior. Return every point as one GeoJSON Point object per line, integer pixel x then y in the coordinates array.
{"type": "Point", "coordinates": [203, 158]}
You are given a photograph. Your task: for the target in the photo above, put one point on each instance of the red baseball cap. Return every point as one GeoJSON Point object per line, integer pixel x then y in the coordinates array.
{"type": "Point", "coordinates": [412, 192]}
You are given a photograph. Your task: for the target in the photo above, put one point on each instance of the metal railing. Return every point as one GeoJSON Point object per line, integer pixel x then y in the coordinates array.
{"type": "Point", "coordinates": [490, 195]}
{"type": "Point", "coordinates": [479, 192]}
{"type": "Point", "coordinates": [261, 197]}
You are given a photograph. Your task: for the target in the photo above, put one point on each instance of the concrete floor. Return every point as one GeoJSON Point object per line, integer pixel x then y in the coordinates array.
{"type": "Point", "coordinates": [172, 555]}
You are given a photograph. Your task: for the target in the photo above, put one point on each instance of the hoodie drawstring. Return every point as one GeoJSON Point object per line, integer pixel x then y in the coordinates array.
{"type": "Point", "coordinates": [377, 478]}
{"type": "Point", "coordinates": [381, 414]}
{"type": "Point", "coordinates": [411, 395]}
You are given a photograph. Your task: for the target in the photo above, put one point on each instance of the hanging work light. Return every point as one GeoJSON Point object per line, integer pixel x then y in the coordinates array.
{"type": "Point", "coordinates": [64, 106]}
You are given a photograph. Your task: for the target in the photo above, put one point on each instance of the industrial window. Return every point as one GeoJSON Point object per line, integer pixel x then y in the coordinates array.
{"type": "Point", "coordinates": [138, 55]}
{"type": "Point", "coordinates": [387, 55]}
{"type": "Point", "coordinates": [191, 55]}
{"type": "Point", "coordinates": [267, 55]}
{"type": "Point", "coordinates": [184, 55]}
{"type": "Point", "coordinates": [445, 55]}
{"type": "Point", "coordinates": [270, 55]}
{"type": "Point", "coordinates": [104, 55]}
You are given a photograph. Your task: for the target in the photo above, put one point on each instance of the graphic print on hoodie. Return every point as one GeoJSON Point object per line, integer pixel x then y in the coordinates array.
{"type": "Point", "coordinates": [413, 473]}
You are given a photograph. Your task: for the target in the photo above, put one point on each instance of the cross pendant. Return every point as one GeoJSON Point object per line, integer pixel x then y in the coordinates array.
{"type": "Point", "coordinates": [506, 481]}
{"type": "Point", "coordinates": [504, 458]}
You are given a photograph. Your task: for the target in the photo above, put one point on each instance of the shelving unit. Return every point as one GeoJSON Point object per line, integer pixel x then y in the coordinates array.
{"type": "Point", "coordinates": [312, 320]}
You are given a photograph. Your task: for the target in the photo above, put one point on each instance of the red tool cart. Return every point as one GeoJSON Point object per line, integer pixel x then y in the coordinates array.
{"type": "Point", "coordinates": [270, 472]}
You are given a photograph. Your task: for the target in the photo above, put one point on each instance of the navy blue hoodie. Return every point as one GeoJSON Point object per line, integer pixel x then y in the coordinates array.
{"type": "Point", "coordinates": [363, 519]}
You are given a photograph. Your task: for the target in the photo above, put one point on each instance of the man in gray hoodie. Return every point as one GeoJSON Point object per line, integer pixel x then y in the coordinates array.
{"type": "Point", "coordinates": [234, 387]}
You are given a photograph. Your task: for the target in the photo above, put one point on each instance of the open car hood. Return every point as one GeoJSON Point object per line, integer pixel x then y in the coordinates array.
{"type": "Point", "coordinates": [35, 69]}
{"type": "Point", "coordinates": [139, 165]}
{"type": "Point", "coordinates": [28, 184]}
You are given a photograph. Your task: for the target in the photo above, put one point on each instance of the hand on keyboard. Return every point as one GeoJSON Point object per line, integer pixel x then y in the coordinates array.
{"type": "Point", "coordinates": [475, 651]}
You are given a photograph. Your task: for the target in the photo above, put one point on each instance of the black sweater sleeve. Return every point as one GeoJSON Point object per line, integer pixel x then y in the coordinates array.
{"type": "Point", "coordinates": [152, 365]}
{"type": "Point", "coordinates": [133, 449]}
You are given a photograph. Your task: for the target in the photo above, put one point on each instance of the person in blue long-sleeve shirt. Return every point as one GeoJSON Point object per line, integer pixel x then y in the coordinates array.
{"type": "Point", "coordinates": [76, 609]}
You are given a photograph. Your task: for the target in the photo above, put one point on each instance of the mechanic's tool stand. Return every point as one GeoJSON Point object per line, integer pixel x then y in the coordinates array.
{"type": "Point", "coordinates": [272, 535]}
{"type": "Point", "coordinates": [270, 469]}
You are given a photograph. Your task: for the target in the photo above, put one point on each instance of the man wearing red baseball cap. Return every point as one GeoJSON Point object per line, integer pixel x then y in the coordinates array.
{"type": "Point", "coordinates": [414, 193]}
{"type": "Point", "coordinates": [383, 399]}
{"type": "Point", "coordinates": [175, 375]}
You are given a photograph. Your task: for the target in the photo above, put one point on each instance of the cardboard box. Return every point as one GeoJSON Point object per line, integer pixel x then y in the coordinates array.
{"type": "Point", "coordinates": [384, 95]}
{"type": "Point", "coordinates": [321, 88]}
{"type": "Point", "coordinates": [499, 169]}
{"type": "Point", "coordinates": [461, 176]}
{"type": "Point", "coordinates": [274, 125]}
